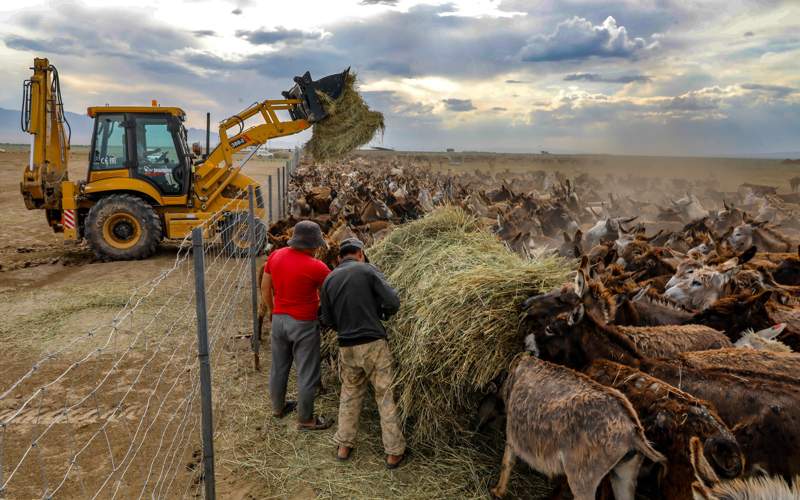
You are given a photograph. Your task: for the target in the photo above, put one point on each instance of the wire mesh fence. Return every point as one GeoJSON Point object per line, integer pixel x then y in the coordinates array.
{"type": "Point", "coordinates": [114, 412]}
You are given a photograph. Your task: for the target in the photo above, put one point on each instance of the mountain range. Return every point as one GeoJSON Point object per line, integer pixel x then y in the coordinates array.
{"type": "Point", "coordinates": [80, 125]}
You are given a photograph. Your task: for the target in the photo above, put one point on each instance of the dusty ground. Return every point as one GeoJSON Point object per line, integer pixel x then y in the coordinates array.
{"type": "Point", "coordinates": [52, 293]}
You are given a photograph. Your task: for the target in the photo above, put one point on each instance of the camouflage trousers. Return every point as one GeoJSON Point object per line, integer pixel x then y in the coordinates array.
{"type": "Point", "coordinates": [358, 365]}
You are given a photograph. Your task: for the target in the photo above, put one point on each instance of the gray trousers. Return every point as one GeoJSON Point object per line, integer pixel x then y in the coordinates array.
{"type": "Point", "coordinates": [297, 341]}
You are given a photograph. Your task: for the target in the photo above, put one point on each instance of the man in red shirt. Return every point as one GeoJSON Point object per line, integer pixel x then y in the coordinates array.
{"type": "Point", "coordinates": [290, 295]}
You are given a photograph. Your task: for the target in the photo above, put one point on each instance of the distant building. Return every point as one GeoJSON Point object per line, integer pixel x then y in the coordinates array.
{"type": "Point", "coordinates": [451, 150]}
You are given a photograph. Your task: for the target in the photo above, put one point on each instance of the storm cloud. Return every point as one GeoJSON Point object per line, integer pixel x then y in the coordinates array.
{"type": "Point", "coordinates": [778, 90]}
{"type": "Point", "coordinates": [594, 77]}
{"type": "Point", "coordinates": [623, 75]}
{"type": "Point", "coordinates": [458, 105]}
{"type": "Point", "coordinates": [280, 34]}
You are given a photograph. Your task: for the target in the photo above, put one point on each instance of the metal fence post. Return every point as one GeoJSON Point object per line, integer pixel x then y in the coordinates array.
{"type": "Point", "coordinates": [269, 189]}
{"type": "Point", "coordinates": [285, 192]}
{"type": "Point", "coordinates": [205, 367]}
{"type": "Point", "coordinates": [255, 340]}
{"type": "Point", "coordinates": [280, 195]}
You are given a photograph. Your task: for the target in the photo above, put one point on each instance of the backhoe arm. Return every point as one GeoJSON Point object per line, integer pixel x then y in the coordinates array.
{"type": "Point", "coordinates": [303, 106]}
{"type": "Point", "coordinates": [217, 171]}
{"type": "Point", "coordinates": [43, 117]}
{"type": "Point", "coordinates": [253, 136]}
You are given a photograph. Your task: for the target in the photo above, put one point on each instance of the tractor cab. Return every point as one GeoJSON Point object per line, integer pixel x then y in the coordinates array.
{"type": "Point", "coordinates": [143, 143]}
{"type": "Point", "coordinates": [142, 186]}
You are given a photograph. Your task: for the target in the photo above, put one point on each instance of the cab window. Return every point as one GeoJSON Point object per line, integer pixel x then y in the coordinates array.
{"type": "Point", "coordinates": [157, 156]}
{"type": "Point", "coordinates": [110, 147]}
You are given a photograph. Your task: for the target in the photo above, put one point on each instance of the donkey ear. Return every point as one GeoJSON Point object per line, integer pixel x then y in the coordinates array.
{"type": "Point", "coordinates": [719, 280]}
{"type": "Point", "coordinates": [729, 264]}
{"type": "Point", "coordinates": [651, 238]}
{"type": "Point", "coordinates": [641, 293]}
{"type": "Point", "coordinates": [576, 315]}
{"type": "Point", "coordinates": [580, 282]}
{"type": "Point", "coordinates": [748, 254]}
{"type": "Point", "coordinates": [764, 297]}
{"type": "Point", "coordinates": [676, 254]}
{"type": "Point", "coordinates": [702, 469]}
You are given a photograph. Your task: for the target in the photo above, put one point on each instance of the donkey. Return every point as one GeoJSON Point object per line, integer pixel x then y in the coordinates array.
{"type": "Point", "coordinates": [757, 394]}
{"type": "Point", "coordinates": [563, 423]}
{"type": "Point", "coordinates": [671, 418]}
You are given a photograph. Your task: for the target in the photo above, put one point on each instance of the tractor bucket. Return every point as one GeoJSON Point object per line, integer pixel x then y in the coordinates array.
{"type": "Point", "coordinates": [305, 89]}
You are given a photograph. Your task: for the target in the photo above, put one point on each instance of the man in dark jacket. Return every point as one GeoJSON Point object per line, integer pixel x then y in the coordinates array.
{"type": "Point", "coordinates": [354, 299]}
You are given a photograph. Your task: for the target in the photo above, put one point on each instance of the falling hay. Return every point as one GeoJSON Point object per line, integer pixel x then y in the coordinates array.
{"type": "Point", "coordinates": [349, 124]}
{"type": "Point", "coordinates": [458, 325]}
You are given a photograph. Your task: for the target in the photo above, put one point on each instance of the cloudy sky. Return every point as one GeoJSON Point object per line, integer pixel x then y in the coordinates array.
{"type": "Point", "coordinates": [628, 76]}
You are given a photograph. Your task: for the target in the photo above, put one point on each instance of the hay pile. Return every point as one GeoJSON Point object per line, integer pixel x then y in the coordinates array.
{"type": "Point", "coordinates": [350, 124]}
{"type": "Point", "coordinates": [457, 327]}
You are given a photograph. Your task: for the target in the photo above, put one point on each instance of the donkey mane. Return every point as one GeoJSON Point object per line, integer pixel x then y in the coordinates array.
{"type": "Point", "coordinates": [615, 338]}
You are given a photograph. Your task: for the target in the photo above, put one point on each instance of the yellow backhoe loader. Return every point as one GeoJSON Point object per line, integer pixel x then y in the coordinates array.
{"type": "Point", "coordinates": [144, 184]}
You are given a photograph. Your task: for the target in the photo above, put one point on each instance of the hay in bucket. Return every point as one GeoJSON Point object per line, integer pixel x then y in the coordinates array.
{"type": "Point", "coordinates": [458, 326]}
{"type": "Point", "coordinates": [349, 124]}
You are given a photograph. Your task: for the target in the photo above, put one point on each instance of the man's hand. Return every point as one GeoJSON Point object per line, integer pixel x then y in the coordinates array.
{"type": "Point", "coordinates": [262, 309]}
{"type": "Point", "coordinates": [263, 313]}
{"type": "Point", "coordinates": [386, 313]}
{"type": "Point", "coordinates": [267, 298]}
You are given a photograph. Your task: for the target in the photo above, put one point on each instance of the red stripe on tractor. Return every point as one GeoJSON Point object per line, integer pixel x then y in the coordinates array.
{"type": "Point", "coordinates": [69, 218]}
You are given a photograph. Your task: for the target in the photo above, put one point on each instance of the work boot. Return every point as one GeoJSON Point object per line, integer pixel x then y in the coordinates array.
{"type": "Point", "coordinates": [315, 424]}
{"type": "Point", "coordinates": [343, 453]}
{"type": "Point", "coordinates": [394, 461]}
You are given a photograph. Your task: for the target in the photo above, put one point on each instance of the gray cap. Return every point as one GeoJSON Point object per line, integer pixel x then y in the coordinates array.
{"type": "Point", "coordinates": [307, 235]}
{"type": "Point", "coordinates": [351, 243]}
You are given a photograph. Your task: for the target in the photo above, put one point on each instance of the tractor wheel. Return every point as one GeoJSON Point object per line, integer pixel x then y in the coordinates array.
{"type": "Point", "coordinates": [236, 235]}
{"type": "Point", "coordinates": [123, 227]}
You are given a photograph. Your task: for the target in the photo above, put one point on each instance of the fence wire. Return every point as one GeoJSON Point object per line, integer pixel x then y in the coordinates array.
{"type": "Point", "coordinates": [114, 411]}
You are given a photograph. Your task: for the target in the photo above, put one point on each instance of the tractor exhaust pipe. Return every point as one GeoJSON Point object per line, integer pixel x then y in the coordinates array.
{"type": "Point", "coordinates": [208, 133]}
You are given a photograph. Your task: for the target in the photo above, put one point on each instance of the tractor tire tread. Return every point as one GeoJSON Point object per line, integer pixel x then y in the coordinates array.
{"type": "Point", "coordinates": [152, 228]}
